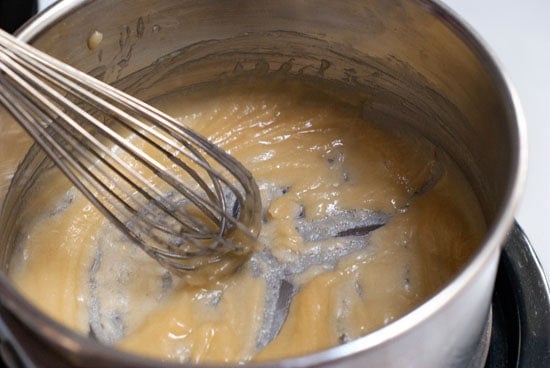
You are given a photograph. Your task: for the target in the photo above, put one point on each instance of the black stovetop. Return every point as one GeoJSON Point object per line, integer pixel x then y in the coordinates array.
{"type": "Point", "coordinates": [520, 335]}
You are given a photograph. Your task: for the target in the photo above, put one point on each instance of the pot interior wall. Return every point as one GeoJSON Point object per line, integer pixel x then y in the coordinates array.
{"type": "Point", "coordinates": [404, 65]}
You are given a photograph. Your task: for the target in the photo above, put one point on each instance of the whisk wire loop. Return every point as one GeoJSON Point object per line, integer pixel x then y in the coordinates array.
{"type": "Point", "coordinates": [184, 200]}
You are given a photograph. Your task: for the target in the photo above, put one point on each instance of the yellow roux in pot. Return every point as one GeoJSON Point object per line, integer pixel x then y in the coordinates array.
{"type": "Point", "coordinates": [362, 223]}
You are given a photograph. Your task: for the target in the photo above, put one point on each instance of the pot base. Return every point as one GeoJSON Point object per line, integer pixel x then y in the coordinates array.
{"type": "Point", "coordinates": [480, 356]}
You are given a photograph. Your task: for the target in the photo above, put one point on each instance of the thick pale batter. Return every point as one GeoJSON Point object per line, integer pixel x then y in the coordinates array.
{"type": "Point", "coordinates": [360, 223]}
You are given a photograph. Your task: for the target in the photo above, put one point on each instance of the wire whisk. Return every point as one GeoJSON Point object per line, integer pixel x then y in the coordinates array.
{"type": "Point", "coordinates": [187, 203]}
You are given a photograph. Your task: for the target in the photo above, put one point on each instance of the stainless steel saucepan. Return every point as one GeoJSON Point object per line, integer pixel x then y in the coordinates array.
{"type": "Point", "coordinates": [408, 61]}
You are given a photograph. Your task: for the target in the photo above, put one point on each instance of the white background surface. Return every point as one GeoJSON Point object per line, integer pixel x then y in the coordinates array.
{"type": "Point", "coordinates": [518, 34]}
